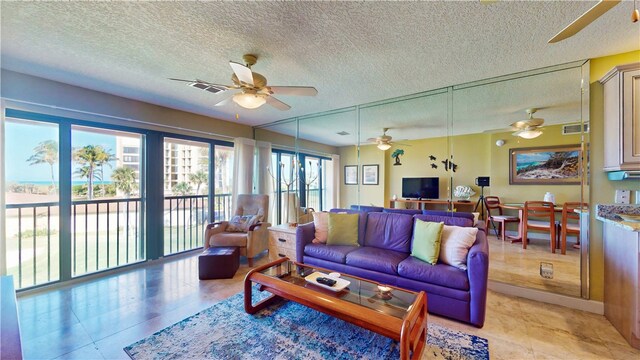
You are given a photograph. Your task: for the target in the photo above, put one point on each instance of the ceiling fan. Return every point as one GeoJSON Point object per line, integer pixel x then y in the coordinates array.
{"type": "Point", "coordinates": [588, 17]}
{"type": "Point", "coordinates": [249, 88]}
{"type": "Point", "coordinates": [530, 128]}
{"type": "Point", "coordinates": [383, 141]}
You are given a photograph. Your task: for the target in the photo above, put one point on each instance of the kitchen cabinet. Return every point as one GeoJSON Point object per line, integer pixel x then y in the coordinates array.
{"type": "Point", "coordinates": [622, 118]}
{"type": "Point", "coordinates": [621, 280]}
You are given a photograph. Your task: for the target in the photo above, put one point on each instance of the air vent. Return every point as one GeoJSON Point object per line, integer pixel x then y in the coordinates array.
{"type": "Point", "coordinates": [207, 87]}
{"type": "Point", "coordinates": [574, 129]}
{"type": "Point", "coordinates": [342, 133]}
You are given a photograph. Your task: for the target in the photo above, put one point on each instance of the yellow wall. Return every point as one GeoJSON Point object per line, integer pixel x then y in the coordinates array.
{"type": "Point", "coordinates": [500, 159]}
{"type": "Point", "coordinates": [602, 191]}
{"type": "Point", "coordinates": [362, 194]}
{"type": "Point", "coordinates": [477, 155]}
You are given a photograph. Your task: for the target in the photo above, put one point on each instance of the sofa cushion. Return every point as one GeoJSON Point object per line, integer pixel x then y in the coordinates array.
{"type": "Point", "coordinates": [367, 208]}
{"type": "Point", "coordinates": [446, 219]}
{"type": "Point", "coordinates": [449, 213]}
{"type": "Point", "coordinates": [439, 274]}
{"type": "Point", "coordinates": [334, 253]}
{"type": "Point", "coordinates": [389, 231]}
{"type": "Point", "coordinates": [343, 229]}
{"type": "Point", "coordinates": [455, 245]}
{"type": "Point", "coordinates": [402, 211]}
{"type": "Point", "coordinates": [321, 224]}
{"type": "Point", "coordinates": [426, 241]}
{"type": "Point", "coordinates": [376, 259]}
{"type": "Point", "coordinates": [229, 239]}
{"type": "Point", "coordinates": [362, 221]}
{"type": "Point", "coordinates": [241, 223]}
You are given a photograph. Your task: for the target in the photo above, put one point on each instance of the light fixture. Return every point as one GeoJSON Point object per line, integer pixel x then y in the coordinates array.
{"type": "Point", "coordinates": [500, 142]}
{"type": "Point", "coordinates": [635, 15]}
{"type": "Point", "coordinates": [528, 134]}
{"type": "Point", "coordinates": [384, 146]}
{"type": "Point", "coordinates": [249, 100]}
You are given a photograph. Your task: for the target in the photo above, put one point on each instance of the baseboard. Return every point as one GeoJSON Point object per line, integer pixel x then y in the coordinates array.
{"type": "Point", "coordinates": [596, 307]}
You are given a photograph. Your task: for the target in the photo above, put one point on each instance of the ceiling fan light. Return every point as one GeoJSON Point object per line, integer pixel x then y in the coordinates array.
{"type": "Point", "coordinates": [529, 134]}
{"type": "Point", "coordinates": [384, 146]}
{"type": "Point", "coordinates": [249, 101]}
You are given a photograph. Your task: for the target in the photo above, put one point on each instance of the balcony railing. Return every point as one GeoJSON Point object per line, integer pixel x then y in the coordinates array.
{"type": "Point", "coordinates": [32, 243]}
{"type": "Point", "coordinates": [105, 233]}
{"type": "Point", "coordinates": [186, 217]}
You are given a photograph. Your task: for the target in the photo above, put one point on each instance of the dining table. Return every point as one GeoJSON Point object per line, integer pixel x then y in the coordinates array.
{"type": "Point", "coordinates": [519, 207]}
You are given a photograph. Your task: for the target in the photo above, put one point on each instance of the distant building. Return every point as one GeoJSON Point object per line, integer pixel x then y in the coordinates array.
{"type": "Point", "coordinates": [181, 158]}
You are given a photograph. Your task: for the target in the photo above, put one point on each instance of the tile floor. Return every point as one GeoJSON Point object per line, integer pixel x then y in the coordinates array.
{"type": "Point", "coordinates": [97, 318]}
{"type": "Point", "coordinates": [511, 264]}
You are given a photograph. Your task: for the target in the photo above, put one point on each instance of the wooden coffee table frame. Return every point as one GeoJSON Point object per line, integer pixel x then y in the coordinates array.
{"type": "Point", "coordinates": [411, 331]}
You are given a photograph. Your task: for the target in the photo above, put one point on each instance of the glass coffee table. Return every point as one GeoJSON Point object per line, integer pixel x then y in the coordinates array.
{"type": "Point", "coordinates": [392, 312]}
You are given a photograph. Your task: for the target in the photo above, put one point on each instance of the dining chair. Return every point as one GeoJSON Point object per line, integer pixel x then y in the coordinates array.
{"type": "Point", "coordinates": [539, 215]}
{"type": "Point", "coordinates": [567, 227]}
{"type": "Point", "coordinates": [494, 215]}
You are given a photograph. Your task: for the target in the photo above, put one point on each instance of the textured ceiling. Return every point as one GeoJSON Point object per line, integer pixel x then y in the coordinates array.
{"type": "Point", "coordinates": [352, 52]}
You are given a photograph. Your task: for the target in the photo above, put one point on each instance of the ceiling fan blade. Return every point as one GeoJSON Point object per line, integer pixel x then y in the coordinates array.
{"type": "Point", "coordinates": [243, 73]}
{"type": "Point", "coordinates": [224, 98]}
{"type": "Point", "coordinates": [373, 140]}
{"type": "Point", "coordinates": [277, 103]}
{"type": "Point", "coordinates": [294, 90]}
{"type": "Point", "coordinates": [585, 19]}
{"type": "Point", "coordinates": [181, 80]}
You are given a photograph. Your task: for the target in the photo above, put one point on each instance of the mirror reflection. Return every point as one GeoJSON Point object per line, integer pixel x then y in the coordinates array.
{"type": "Point", "coordinates": [512, 151]}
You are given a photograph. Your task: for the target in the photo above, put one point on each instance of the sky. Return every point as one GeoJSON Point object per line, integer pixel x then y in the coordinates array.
{"type": "Point", "coordinates": [22, 137]}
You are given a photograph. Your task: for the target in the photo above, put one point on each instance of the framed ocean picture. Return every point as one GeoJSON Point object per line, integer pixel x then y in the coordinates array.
{"type": "Point", "coordinates": [559, 165]}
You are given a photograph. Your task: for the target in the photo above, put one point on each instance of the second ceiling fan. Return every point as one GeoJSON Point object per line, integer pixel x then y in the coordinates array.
{"type": "Point", "coordinates": [249, 89]}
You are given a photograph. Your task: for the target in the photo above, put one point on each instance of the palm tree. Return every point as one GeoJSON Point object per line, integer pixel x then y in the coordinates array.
{"type": "Point", "coordinates": [105, 156]}
{"type": "Point", "coordinates": [46, 152]}
{"type": "Point", "coordinates": [200, 177]}
{"type": "Point", "coordinates": [182, 188]}
{"type": "Point", "coordinates": [90, 157]}
{"type": "Point", "coordinates": [125, 180]}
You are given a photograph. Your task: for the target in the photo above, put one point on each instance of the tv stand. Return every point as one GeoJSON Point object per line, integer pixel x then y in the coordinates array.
{"type": "Point", "coordinates": [432, 204]}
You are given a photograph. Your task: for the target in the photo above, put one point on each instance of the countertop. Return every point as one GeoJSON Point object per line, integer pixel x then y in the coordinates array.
{"type": "Point", "coordinates": [607, 214]}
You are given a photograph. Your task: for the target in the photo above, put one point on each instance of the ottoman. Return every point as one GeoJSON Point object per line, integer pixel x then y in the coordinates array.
{"type": "Point", "coordinates": [218, 263]}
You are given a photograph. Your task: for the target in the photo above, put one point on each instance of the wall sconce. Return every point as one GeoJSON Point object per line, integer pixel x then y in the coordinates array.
{"type": "Point", "coordinates": [500, 142]}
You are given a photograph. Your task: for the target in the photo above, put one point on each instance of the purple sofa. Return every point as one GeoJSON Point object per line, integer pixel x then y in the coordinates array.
{"type": "Point", "coordinates": [384, 256]}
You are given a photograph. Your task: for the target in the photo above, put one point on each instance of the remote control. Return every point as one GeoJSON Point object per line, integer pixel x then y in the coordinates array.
{"type": "Point", "coordinates": [326, 281]}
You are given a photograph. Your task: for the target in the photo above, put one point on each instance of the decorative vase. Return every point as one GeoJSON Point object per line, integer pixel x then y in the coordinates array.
{"type": "Point", "coordinates": [550, 198]}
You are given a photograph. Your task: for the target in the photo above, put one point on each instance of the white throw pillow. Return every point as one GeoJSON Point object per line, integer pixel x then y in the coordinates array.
{"type": "Point", "coordinates": [321, 223]}
{"type": "Point", "coordinates": [476, 216]}
{"type": "Point", "coordinates": [455, 244]}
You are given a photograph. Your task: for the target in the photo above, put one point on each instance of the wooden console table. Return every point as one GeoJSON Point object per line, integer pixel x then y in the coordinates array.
{"type": "Point", "coordinates": [435, 204]}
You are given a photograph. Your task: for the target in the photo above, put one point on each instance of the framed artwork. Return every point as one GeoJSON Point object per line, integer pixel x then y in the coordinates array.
{"type": "Point", "coordinates": [369, 174]}
{"type": "Point", "coordinates": [351, 174]}
{"type": "Point", "coordinates": [550, 165]}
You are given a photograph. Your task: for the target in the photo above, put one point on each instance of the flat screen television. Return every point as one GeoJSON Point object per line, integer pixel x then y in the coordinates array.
{"type": "Point", "coordinates": [421, 188]}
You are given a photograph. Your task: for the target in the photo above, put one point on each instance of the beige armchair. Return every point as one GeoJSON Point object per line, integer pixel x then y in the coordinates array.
{"type": "Point", "coordinates": [251, 242]}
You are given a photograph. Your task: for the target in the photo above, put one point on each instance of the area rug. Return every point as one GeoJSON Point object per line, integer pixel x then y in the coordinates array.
{"type": "Point", "coordinates": [289, 331]}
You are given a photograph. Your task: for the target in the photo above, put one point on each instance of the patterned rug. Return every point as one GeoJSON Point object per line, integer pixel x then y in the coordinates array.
{"type": "Point", "coordinates": [289, 331]}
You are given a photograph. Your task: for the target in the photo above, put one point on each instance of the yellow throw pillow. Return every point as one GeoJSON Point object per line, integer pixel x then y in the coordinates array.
{"type": "Point", "coordinates": [343, 229]}
{"type": "Point", "coordinates": [426, 241]}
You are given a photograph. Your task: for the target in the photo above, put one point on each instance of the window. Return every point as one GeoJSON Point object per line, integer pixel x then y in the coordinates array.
{"type": "Point", "coordinates": [32, 195]}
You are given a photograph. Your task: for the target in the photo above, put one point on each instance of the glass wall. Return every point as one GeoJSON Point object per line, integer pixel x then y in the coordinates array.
{"type": "Point", "coordinates": [33, 198]}
{"type": "Point", "coordinates": [107, 210]}
{"type": "Point", "coordinates": [455, 138]}
{"type": "Point", "coordinates": [186, 200]}
{"type": "Point", "coordinates": [77, 195]}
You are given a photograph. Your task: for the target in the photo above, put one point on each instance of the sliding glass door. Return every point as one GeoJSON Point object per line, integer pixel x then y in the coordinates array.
{"type": "Point", "coordinates": [107, 209]}
{"type": "Point", "coordinates": [32, 197]}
